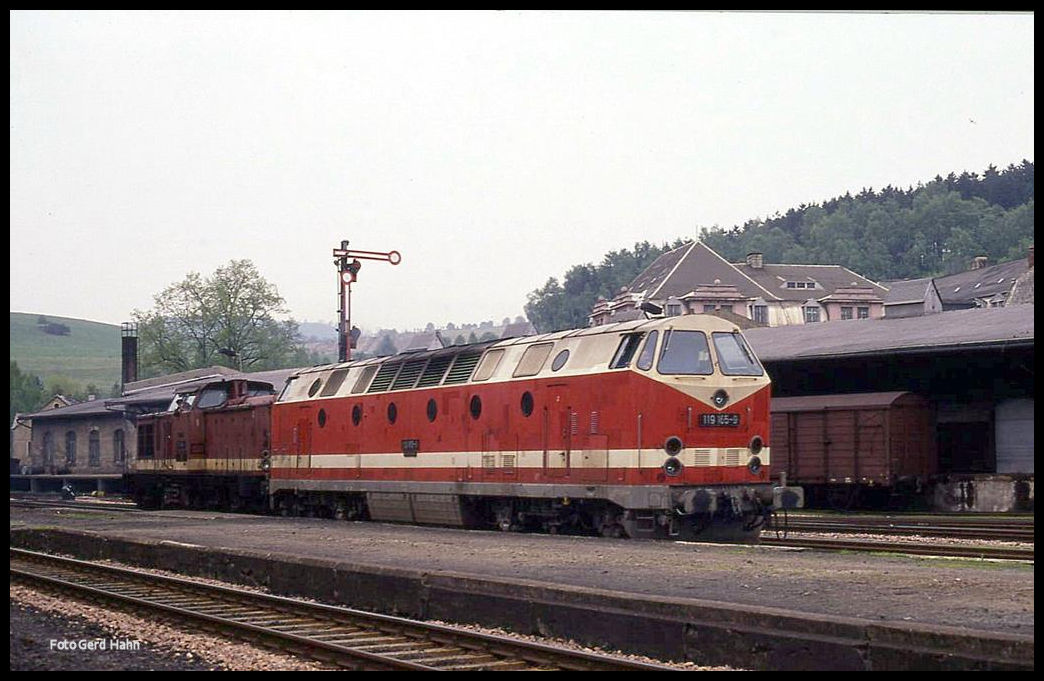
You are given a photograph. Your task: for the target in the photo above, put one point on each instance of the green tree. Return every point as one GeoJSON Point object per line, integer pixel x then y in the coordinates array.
{"type": "Point", "coordinates": [27, 392]}
{"type": "Point", "coordinates": [228, 318]}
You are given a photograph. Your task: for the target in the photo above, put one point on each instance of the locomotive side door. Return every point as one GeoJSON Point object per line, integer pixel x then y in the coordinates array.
{"type": "Point", "coordinates": [558, 429]}
{"type": "Point", "coordinates": [166, 442]}
{"type": "Point", "coordinates": [303, 440]}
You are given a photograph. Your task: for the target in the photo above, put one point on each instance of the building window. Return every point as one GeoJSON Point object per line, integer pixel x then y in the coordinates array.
{"type": "Point", "coordinates": [864, 313]}
{"type": "Point", "coordinates": [811, 314]}
{"type": "Point", "coordinates": [761, 314]}
{"type": "Point", "coordinates": [708, 308]}
{"type": "Point", "coordinates": [846, 313]}
{"type": "Point", "coordinates": [673, 309]}
{"type": "Point", "coordinates": [70, 448]}
{"type": "Point", "coordinates": [94, 449]}
{"type": "Point", "coordinates": [48, 450]}
{"type": "Point", "coordinates": [119, 453]}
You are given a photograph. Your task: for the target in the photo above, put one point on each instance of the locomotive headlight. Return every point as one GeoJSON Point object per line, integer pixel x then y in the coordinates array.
{"type": "Point", "coordinates": [755, 444]}
{"type": "Point", "coordinates": [672, 466]}
{"type": "Point", "coordinates": [720, 399]}
{"type": "Point", "coordinates": [754, 465]}
{"type": "Point", "coordinates": [673, 445]}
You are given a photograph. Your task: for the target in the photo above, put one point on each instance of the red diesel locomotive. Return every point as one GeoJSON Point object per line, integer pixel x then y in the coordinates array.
{"type": "Point", "coordinates": [650, 428]}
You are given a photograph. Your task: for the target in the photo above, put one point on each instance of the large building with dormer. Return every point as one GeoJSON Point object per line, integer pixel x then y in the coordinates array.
{"type": "Point", "coordinates": [693, 279]}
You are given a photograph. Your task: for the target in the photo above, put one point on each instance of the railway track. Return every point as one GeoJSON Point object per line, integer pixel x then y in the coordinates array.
{"type": "Point", "coordinates": [117, 506]}
{"type": "Point", "coordinates": [920, 549]}
{"type": "Point", "coordinates": [1018, 528]}
{"type": "Point", "coordinates": [338, 636]}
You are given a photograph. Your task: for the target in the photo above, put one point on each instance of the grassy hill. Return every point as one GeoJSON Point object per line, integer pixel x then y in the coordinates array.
{"type": "Point", "coordinates": [71, 352]}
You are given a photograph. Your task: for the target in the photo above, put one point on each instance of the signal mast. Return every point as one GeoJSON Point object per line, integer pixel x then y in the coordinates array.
{"type": "Point", "coordinates": [347, 272]}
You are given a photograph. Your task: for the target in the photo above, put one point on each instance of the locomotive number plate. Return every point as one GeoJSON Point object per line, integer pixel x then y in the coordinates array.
{"type": "Point", "coordinates": [731, 420]}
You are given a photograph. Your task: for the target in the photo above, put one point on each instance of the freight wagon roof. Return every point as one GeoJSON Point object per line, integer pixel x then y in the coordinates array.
{"type": "Point", "coordinates": [835, 402]}
{"type": "Point", "coordinates": [945, 331]}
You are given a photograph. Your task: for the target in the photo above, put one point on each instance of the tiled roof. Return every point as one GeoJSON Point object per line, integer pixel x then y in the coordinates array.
{"type": "Point", "coordinates": [907, 291]}
{"type": "Point", "coordinates": [965, 287]}
{"type": "Point", "coordinates": [688, 267]}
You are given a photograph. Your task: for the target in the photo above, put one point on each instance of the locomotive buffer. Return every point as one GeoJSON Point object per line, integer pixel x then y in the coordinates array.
{"type": "Point", "coordinates": [347, 271]}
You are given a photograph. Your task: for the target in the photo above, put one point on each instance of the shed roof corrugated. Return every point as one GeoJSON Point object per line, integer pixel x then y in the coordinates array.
{"type": "Point", "coordinates": [944, 330]}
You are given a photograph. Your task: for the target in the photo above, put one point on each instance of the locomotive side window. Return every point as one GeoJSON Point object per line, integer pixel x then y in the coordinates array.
{"type": "Point", "coordinates": [393, 413]}
{"type": "Point", "coordinates": [356, 415]}
{"type": "Point", "coordinates": [364, 379]}
{"type": "Point", "coordinates": [334, 382]}
{"type": "Point", "coordinates": [490, 362]}
{"type": "Point", "coordinates": [560, 360]}
{"type": "Point", "coordinates": [734, 357]}
{"type": "Point", "coordinates": [433, 409]}
{"type": "Point", "coordinates": [314, 388]}
{"type": "Point", "coordinates": [287, 388]}
{"type": "Point", "coordinates": [476, 406]}
{"type": "Point", "coordinates": [527, 403]}
{"type": "Point", "coordinates": [533, 358]}
{"type": "Point", "coordinates": [686, 353]}
{"type": "Point", "coordinates": [146, 441]}
{"type": "Point", "coordinates": [625, 352]}
{"type": "Point", "coordinates": [645, 360]}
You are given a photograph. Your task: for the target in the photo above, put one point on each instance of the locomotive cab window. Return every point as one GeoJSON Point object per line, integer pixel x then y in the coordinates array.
{"type": "Point", "coordinates": [213, 396]}
{"type": "Point", "coordinates": [645, 360]}
{"type": "Point", "coordinates": [734, 356]}
{"type": "Point", "coordinates": [625, 352]}
{"type": "Point", "coordinates": [685, 353]}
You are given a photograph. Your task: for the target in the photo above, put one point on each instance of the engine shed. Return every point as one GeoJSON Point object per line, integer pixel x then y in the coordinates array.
{"type": "Point", "coordinates": [973, 367]}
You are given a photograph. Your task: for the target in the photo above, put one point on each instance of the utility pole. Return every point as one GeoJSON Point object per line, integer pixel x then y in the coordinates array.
{"type": "Point", "coordinates": [347, 272]}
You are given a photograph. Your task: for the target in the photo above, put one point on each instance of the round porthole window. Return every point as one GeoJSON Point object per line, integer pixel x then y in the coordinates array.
{"type": "Point", "coordinates": [560, 360]}
{"type": "Point", "coordinates": [322, 418]}
{"type": "Point", "coordinates": [356, 415]}
{"type": "Point", "coordinates": [476, 406]}
{"type": "Point", "coordinates": [433, 409]}
{"type": "Point", "coordinates": [527, 403]}
{"type": "Point", "coordinates": [393, 413]}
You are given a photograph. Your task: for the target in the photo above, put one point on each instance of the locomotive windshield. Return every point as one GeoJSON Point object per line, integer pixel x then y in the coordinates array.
{"type": "Point", "coordinates": [212, 396]}
{"type": "Point", "coordinates": [685, 352]}
{"type": "Point", "coordinates": [734, 357]}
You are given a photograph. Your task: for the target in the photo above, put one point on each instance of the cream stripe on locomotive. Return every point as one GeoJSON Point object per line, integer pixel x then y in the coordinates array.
{"type": "Point", "coordinates": [218, 465]}
{"type": "Point", "coordinates": [578, 459]}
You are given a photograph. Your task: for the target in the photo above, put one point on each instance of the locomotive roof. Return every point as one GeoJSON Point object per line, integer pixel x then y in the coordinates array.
{"type": "Point", "coordinates": [482, 346]}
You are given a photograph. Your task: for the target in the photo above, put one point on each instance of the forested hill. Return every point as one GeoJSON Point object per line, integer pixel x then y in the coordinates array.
{"type": "Point", "coordinates": [933, 229]}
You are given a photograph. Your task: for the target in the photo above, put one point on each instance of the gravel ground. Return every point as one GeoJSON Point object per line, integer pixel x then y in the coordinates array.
{"type": "Point", "coordinates": [39, 618]}
{"type": "Point", "coordinates": [993, 596]}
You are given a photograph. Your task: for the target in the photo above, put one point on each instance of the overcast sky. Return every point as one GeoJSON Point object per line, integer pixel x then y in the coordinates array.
{"type": "Point", "coordinates": [493, 150]}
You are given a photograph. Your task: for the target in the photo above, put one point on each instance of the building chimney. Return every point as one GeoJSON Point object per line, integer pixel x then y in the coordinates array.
{"type": "Point", "coordinates": [129, 332]}
{"type": "Point", "coordinates": [979, 262]}
{"type": "Point", "coordinates": [755, 260]}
